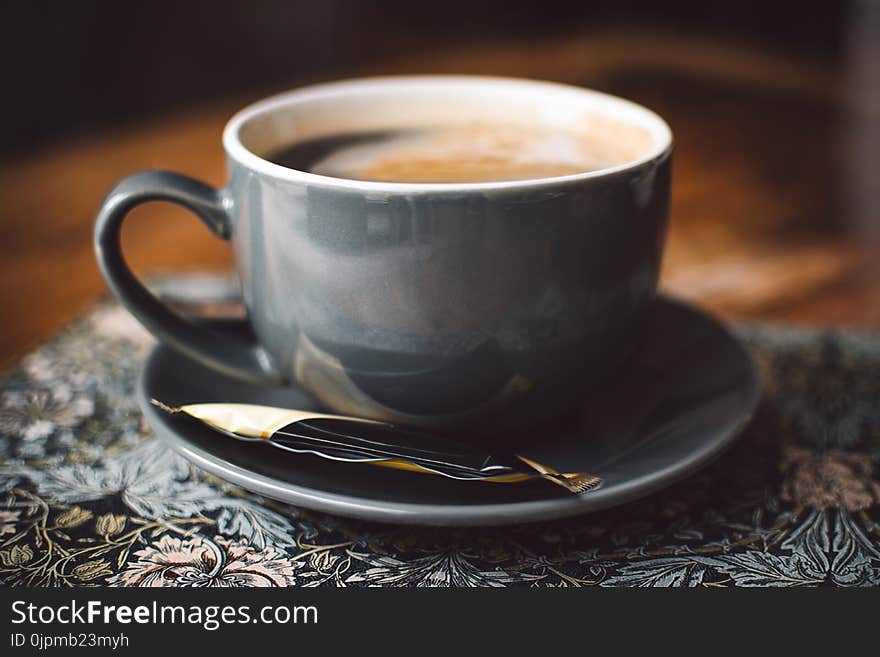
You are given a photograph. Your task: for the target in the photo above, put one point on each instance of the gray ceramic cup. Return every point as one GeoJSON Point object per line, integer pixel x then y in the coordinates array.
{"type": "Point", "coordinates": [480, 305]}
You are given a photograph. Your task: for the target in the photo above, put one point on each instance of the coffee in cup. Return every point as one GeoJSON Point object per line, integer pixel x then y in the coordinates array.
{"type": "Point", "coordinates": [467, 153]}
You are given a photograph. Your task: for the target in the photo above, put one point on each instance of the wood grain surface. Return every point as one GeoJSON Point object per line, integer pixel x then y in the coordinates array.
{"type": "Point", "coordinates": [775, 190]}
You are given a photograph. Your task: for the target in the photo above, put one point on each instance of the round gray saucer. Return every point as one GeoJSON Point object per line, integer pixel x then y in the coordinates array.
{"type": "Point", "coordinates": [687, 391]}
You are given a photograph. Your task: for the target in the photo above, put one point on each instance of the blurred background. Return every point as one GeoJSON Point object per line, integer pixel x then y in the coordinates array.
{"type": "Point", "coordinates": [775, 107]}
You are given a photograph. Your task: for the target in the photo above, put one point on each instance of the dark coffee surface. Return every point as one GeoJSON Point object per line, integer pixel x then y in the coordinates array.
{"type": "Point", "coordinates": [304, 155]}
{"type": "Point", "coordinates": [470, 152]}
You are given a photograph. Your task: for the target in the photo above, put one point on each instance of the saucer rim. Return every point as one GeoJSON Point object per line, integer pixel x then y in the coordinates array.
{"type": "Point", "coordinates": [461, 515]}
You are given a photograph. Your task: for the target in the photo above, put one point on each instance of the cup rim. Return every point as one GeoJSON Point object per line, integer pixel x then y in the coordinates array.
{"type": "Point", "coordinates": [236, 150]}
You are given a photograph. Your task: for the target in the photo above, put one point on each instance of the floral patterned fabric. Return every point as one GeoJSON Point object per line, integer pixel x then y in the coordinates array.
{"type": "Point", "coordinates": [89, 497]}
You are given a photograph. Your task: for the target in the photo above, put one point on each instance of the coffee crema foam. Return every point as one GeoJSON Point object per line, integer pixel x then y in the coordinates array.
{"type": "Point", "coordinates": [465, 153]}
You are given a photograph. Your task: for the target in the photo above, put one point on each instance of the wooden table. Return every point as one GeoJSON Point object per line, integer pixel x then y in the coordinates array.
{"type": "Point", "coordinates": [775, 192]}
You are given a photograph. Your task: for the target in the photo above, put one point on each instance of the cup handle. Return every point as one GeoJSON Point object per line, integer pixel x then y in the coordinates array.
{"type": "Point", "coordinates": [218, 349]}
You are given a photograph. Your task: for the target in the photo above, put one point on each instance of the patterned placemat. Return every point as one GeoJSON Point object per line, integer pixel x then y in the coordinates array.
{"type": "Point", "coordinates": [90, 497]}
